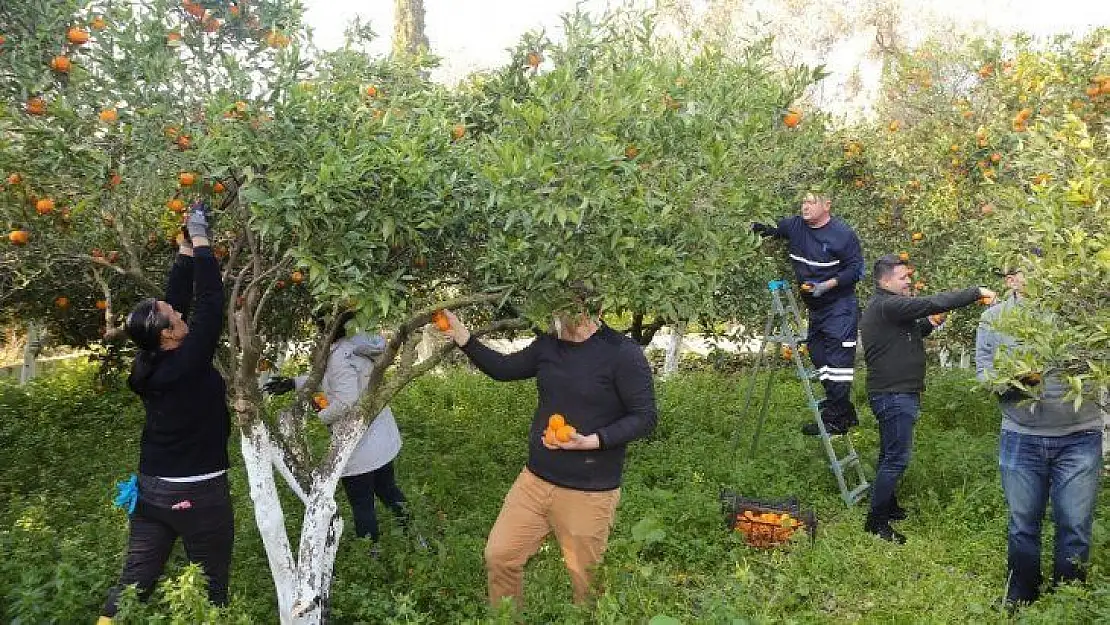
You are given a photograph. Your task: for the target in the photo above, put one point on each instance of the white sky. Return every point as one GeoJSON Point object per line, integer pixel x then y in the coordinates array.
{"type": "Point", "coordinates": [474, 34]}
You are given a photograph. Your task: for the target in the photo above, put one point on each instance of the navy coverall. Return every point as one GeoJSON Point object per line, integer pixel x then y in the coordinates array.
{"type": "Point", "coordinates": [820, 254]}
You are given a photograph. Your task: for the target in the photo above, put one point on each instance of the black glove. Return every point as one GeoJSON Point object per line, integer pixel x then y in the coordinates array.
{"type": "Point", "coordinates": [278, 385]}
{"type": "Point", "coordinates": [197, 223]}
{"type": "Point", "coordinates": [763, 229]}
{"type": "Point", "coordinates": [185, 240]}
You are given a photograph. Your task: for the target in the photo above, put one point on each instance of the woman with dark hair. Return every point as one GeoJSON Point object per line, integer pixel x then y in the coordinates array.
{"type": "Point", "coordinates": [183, 461]}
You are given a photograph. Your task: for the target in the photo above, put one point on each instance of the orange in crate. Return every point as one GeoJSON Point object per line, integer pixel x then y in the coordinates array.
{"type": "Point", "coordinates": [766, 524]}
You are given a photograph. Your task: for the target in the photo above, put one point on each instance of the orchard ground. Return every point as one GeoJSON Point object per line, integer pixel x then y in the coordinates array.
{"type": "Point", "coordinates": [670, 560]}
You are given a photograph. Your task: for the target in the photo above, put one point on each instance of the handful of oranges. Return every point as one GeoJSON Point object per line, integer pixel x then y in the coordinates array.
{"type": "Point", "coordinates": [320, 401]}
{"type": "Point", "coordinates": [443, 324]}
{"type": "Point", "coordinates": [558, 431]}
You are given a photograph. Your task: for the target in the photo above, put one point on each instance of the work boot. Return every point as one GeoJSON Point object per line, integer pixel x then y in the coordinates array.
{"type": "Point", "coordinates": [834, 428]}
{"type": "Point", "coordinates": [882, 529]}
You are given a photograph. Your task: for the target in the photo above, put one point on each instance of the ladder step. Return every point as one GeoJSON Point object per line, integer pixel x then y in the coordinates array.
{"type": "Point", "coordinates": [857, 493]}
{"type": "Point", "coordinates": [848, 460]}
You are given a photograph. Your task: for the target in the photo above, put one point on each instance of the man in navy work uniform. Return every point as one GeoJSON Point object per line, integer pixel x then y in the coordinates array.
{"type": "Point", "coordinates": [828, 261]}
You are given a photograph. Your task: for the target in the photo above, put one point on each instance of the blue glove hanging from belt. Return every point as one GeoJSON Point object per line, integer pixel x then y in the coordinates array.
{"type": "Point", "coordinates": [127, 494]}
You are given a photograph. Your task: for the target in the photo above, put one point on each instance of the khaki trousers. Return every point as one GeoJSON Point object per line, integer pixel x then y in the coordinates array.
{"type": "Point", "coordinates": [532, 510]}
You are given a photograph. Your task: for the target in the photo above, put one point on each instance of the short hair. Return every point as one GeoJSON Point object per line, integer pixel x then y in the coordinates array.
{"type": "Point", "coordinates": [145, 324]}
{"type": "Point", "coordinates": [885, 266]}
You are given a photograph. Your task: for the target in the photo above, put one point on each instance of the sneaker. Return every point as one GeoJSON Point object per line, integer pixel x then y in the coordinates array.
{"type": "Point", "coordinates": [810, 429]}
{"type": "Point", "coordinates": [885, 531]}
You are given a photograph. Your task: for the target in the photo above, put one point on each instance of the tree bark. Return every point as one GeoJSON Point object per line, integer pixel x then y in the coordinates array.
{"type": "Point", "coordinates": [409, 37]}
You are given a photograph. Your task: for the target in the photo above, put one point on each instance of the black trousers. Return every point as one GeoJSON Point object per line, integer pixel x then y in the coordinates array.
{"type": "Point", "coordinates": [200, 513]}
{"type": "Point", "coordinates": [363, 488]}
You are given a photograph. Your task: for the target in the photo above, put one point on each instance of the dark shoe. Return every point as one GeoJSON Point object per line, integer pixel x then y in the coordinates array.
{"type": "Point", "coordinates": [883, 530]}
{"type": "Point", "coordinates": [896, 512]}
{"type": "Point", "coordinates": [833, 428]}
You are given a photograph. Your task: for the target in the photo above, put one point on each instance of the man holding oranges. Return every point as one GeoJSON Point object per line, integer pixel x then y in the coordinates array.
{"type": "Point", "coordinates": [596, 395]}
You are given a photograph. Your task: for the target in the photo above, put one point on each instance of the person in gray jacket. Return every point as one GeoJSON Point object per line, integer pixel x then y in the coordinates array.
{"type": "Point", "coordinates": [1048, 450]}
{"type": "Point", "coordinates": [369, 471]}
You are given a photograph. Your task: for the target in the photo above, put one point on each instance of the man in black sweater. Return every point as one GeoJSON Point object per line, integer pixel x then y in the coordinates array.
{"type": "Point", "coordinates": [893, 327]}
{"type": "Point", "coordinates": [599, 382]}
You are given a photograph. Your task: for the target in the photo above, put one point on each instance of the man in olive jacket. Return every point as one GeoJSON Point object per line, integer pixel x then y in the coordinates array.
{"type": "Point", "coordinates": [893, 327]}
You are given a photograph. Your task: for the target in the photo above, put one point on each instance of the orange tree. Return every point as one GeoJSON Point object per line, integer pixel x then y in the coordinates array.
{"type": "Point", "coordinates": [343, 181]}
{"type": "Point", "coordinates": [987, 154]}
{"type": "Point", "coordinates": [635, 164]}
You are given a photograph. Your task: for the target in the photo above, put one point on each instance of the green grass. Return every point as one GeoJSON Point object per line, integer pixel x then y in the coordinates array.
{"type": "Point", "coordinates": [64, 445]}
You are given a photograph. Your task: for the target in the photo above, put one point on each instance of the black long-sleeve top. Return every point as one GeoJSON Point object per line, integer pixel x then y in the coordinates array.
{"type": "Point", "coordinates": [602, 386]}
{"type": "Point", "coordinates": [893, 328]}
{"type": "Point", "coordinates": [187, 421]}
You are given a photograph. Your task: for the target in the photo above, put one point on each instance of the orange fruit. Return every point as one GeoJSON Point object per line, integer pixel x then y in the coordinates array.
{"type": "Point", "coordinates": [986, 301]}
{"type": "Point", "coordinates": [443, 324]}
{"type": "Point", "coordinates": [787, 353]}
{"type": "Point", "coordinates": [995, 157]}
{"type": "Point", "coordinates": [44, 206]}
{"type": "Point", "coordinates": [211, 24]}
{"type": "Point", "coordinates": [534, 59]}
{"type": "Point", "coordinates": [218, 187]}
{"type": "Point", "coordinates": [296, 277]}
{"type": "Point", "coordinates": [1093, 90]}
{"type": "Point", "coordinates": [60, 63]}
{"type": "Point", "coordinates": [233, 10]}
{"type": "Point", "coordinates": [186, 179]}
{"type": "Point", "coordinates": [36, 106]}
{"type": "Point", "coordinates": [176, 205]}
{"type": "Point", "coordinates": [220, 252]}
{"type": "Point", "coordinates": [458, 132]}
{"type": "Point", "coordinates": [372, 91]}
{"type": "Point", "coordinates": [564, 434]}
{"type": "Point", "coordinates": [917, 236]}
{"type": "Point", "coordinates": [19, 237]}
{"type": "Point", "coordinates": [183, 142]}
{"type": "Point", "coordinates": [894, 125]}
{"type": "Point", "coordinates": [549, 438]}
{"type": "Point", "coordinates": [792, 118]}
{"type": "Point", "coordinates": [986, 71]}
{"type": "Point", "coordinates": [173, 36]}
{"type": "Point", "coordinates": [631, 152]}
{"type": "Point", "coordinates": [98, 23]}
{"type": "Point", "coordinates": [193, 8]}
{"type": "Point", "coordinates": [77, 36]}
{"type": "Point", "coordinates": [904, 256]}
{"type": "Point", "coordinates": [61, 302]}
{"type": "Point", "coordinates": [101, 304]}
{"type": "Point", "coordinates": [320, 400]}
{"type": "Point", "coordinates": [556, 421]}
{"type": "Point", "coordinates": [114, 180]}
{"type": "Point", "coordinates": [15, 179]}
{"type": "Point", "coordinates": [276, 39]}
{"type": "Point", "coordinates": [109, 116]}
{"type": "Point", "coordinates": [919, 285]}
{"type": "Point", "coordinates": [987, 209]}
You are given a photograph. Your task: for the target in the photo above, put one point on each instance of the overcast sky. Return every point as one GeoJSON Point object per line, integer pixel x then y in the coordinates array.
{"type": "Point", "coordinates": [474, 34]}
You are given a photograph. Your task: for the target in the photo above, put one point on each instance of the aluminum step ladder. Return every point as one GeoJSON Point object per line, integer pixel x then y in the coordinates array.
{"type": "Point", "coordinates": [784, 328]}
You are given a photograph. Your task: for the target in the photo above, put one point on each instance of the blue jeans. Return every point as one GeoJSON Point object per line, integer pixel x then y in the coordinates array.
{"type": "Point", "coordinates": [896, 414]}
{"type": "Point", "coordinates": [1035, 469]}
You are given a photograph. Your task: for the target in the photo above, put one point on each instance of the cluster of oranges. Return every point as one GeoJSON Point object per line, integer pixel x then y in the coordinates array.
{"type": "Point", "coordinates": [558, 431]}
{"type": "Point", "coordinates": [766, 529]}
{"type": "Point", "coordinates": [320, 401]}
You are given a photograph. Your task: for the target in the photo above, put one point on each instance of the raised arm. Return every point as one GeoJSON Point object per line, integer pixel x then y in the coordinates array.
{"type": "Point", "coordinates": [902, 308]}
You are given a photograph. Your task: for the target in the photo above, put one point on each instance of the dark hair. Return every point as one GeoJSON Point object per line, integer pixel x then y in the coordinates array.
{"type": "Point", "coordinates": [885, 266]}
{"type": "Point", "coordinates": [145, 324]}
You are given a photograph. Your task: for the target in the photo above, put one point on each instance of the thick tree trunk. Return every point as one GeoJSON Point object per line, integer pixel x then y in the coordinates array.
{"type": "Point", "coordinates": [408, 28]}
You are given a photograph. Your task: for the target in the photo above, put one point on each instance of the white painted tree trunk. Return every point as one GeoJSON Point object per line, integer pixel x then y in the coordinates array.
{"type": "Point", "coordinates": [30, 353]}
{"type": "Point", "coordinates": [427, 345]}
{"type": "Point", "coordinates": [302, 584]}
{"type": "Point", "coordinates": [674, 349]}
